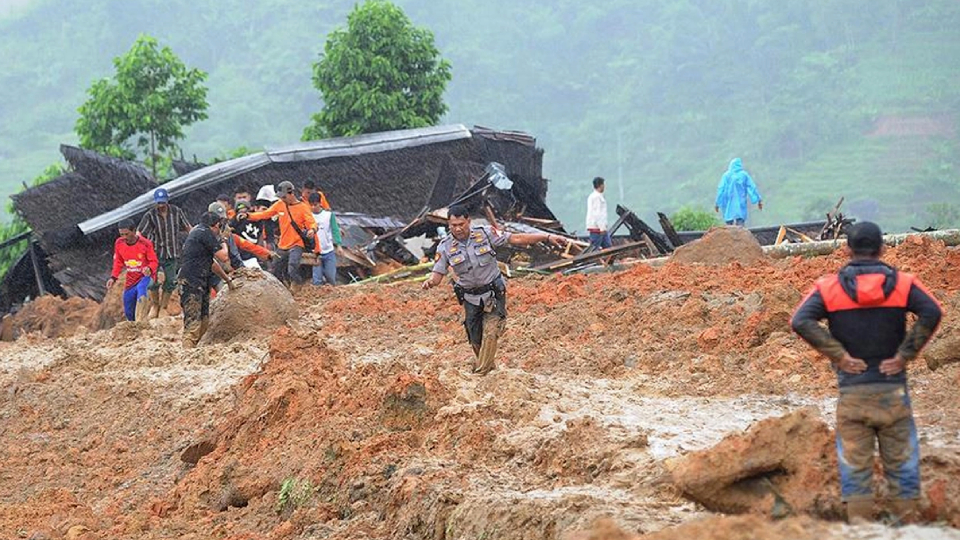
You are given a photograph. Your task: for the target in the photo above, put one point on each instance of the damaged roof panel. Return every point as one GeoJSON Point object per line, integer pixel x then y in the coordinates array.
{"type": "Point", "coordinates": [307, 151]}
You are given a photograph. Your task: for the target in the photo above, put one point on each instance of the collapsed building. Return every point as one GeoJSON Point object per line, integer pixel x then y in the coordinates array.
{"type": "Point", "coordinates": [376, 183]}
{"type": "Point", "coordinates": [385, 188]}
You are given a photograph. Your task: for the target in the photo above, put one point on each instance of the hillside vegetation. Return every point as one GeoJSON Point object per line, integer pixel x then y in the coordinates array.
{"type": "Point", "coordinates": [821, 99]}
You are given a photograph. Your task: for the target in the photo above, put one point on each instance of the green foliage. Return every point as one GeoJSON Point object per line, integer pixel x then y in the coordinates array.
{"type": "Point", "coordinates": [294, 493]}
{"type": "Point", "coordinates": [16, 227]}
{"type": "Point", "coordinates": [943, 215]}
{"type": "Point", "coordinates": [688, 218]}
{"type": "Point", "coordinates": [794, 88]}
{"type": "Point", "coordinates": [380, 73]}
{"type": "Point", "coordinates": [149, 101]}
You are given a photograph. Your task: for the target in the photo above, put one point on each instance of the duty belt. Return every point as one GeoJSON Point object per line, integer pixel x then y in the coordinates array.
{"type": "Point", "coordinates": [483, 289]}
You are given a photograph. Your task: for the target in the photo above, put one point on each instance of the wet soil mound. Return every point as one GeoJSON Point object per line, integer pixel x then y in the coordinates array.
{"type": "Point", "coordinates": [54, 317]}
{"type": "Point", "coordinates": [259, 306]}
{"type": "Point", "coordinates": [778, 467]}
{"type": "Point", "coordinates": [721, 245]}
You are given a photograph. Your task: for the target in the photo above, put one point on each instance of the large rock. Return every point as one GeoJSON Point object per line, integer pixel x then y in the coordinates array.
{"type": "Point", "coordinates": [780, 465]}
{"type": "Point", "coordinates": [261, 305]}
{"type": "Point", "coordinates": [721, 245]}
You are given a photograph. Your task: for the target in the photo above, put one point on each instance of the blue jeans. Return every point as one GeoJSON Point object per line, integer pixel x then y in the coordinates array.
{"type": "Point", "coordinates": [132, 295]}
{"type": "Point", "coordinates": [600, 240]}
{"type": "Point", "coordinates": [326, 270]}
{"type": "Point", "coordinates": [868, 420]}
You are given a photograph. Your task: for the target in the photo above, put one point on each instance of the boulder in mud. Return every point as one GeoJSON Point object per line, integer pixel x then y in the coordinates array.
{"type": "Point", "coordinates": [721, 245]}
{"type": "Point", "coordinates": [258, 307]}
{"type": "Point", "coordinates": [944, 349]}
{"type": "Point", "coordinates": [779, 466]}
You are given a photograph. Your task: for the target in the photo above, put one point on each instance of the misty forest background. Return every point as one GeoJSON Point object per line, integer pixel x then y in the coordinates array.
{"type": "Point", "coordinates": [853, 98]}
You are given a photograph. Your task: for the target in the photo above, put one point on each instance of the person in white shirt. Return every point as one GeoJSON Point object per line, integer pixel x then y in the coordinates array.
{"type": "Point", "coordinates": [328, 242]}
{"type": "Point", "coordinates": [597, 217]}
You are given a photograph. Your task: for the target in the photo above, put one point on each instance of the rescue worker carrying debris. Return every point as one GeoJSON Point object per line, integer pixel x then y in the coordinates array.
{"type": "Point", "coordinates": [866, 306]}
{"type": "Point", "coordinates": [479, 286]}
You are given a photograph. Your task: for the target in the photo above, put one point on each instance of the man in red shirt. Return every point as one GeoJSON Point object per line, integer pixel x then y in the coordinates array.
{"type": "Point", "coordinates": [135, 254]}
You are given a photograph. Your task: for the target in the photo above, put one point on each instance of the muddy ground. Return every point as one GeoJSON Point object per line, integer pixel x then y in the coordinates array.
{"type": "Point", "coordinates": [361, 420]}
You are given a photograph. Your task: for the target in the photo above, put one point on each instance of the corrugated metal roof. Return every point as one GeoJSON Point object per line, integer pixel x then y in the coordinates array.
{"type": "Point", "coordinates": [363, 220]}
{"type": "Point", "coordinates": [307, 151]}
{"type": "Point", "coordinates": [177, 187]}
{"type": "Point", "coordinates": [368, 144]}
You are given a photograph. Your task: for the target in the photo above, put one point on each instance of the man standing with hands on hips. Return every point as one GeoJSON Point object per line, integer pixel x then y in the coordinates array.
{"type": "Point", "coordinates": [479, 286]}
{"type": "Point", "coordinates": [866, 305]}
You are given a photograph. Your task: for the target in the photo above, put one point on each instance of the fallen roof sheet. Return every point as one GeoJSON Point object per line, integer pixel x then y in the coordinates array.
{"type": "Point", "coordinates": [308, 151]}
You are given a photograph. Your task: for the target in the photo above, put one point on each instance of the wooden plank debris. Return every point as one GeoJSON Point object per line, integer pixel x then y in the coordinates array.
{"type": "Point", "coordinates": [669, 230]}
{"type": "Point", "coordinates": [588, 257]}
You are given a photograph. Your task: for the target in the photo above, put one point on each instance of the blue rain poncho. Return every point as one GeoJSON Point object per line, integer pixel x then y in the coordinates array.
{"type": "Point", "coordinates": [735, 186]}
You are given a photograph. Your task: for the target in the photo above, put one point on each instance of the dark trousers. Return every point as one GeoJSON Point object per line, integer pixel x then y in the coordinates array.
{"type": "Point", "coordinates": [287, 268]}
{"type": "Point", "coordinates": [195, 302]}
{"type": "Point", "coordinates": [484, 324]}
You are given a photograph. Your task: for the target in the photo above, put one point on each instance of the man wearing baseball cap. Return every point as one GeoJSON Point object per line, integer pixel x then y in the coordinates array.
{"type": "Point", "coordinates": [162, 225]}
{"type": "Point", "coordinates": [297, 230]}
{"type": "Point", "coordinates": [865, 305]}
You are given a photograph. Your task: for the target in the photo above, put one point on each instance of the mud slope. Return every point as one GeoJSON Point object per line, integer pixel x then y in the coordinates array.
{"type": "Point", "coordinates": [361, 420]}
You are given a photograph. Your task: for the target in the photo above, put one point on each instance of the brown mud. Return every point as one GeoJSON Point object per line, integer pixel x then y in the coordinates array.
{"type": "Point", "coordinates": [362, 420]}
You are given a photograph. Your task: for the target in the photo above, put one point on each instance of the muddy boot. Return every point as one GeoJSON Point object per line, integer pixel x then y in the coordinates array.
{"type": "Point", "coordinates": [860, 510]}
{"type": "Point", "coordinates": [903, 511]}
{"type": "Point", "coordinates": [142, 310]}
{"type": "Point", "coordinates": [192, 333]}
{"type": "Point", "coordinates": [154, 304]}
{"type": "Point", "coordinates": [486, 359]}
{"type": "Point", "coordinates": [164, 302]}
{"type": "Point", "coordinates": [204, 325]}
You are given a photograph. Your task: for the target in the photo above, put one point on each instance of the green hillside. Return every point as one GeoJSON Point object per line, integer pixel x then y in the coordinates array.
{"type": "Point", "coordinates": [658, 94]}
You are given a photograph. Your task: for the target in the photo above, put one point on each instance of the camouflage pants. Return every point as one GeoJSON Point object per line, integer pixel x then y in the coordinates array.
{"type": "Point", "coordinates": [195, 302]}
{"type": "Point", "coordinates": [866, 419]}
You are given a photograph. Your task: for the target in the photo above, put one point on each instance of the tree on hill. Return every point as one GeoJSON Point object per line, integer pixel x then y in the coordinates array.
{"type": "Point", "coordinates": [380, 73]}
{"type": "Point", "coordinates": [147, 103]}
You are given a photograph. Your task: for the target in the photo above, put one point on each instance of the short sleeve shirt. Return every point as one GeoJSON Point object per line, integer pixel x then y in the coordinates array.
{"type": "Point", "coordinates": [198, 252]}
{"type": "Point", "coordinates": [474, 259]}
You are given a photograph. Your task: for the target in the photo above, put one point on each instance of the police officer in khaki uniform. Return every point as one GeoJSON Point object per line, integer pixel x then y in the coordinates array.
{"type": "Point", "coordinates": [479, 286]}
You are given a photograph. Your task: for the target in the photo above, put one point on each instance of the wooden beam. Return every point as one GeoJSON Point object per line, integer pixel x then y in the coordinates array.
{"type": "Point", "coordinates": [15, 240]}
{"type": "Point", "coordinates": [637, 228]}
{"type": "Point", "coordinates": [669, 230]}
{"type": "Point", "coordinates": [587, 257]}
{"type": "Point", "coordinates": [36, 270]}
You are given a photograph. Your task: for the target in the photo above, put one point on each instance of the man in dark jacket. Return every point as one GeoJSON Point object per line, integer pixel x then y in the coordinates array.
{"type": "Point", "coordinates": [866, 306]}
{"type": "Point", "coordinates": [202, 246]}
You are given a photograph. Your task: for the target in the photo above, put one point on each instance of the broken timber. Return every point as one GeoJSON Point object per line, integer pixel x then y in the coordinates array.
{"type": "Point", "coordinates": [638, 228]}
{"type": "Point", "coordinates": [949, 237]}
{"type": "Point", "coordinates": [669, 230]}
{"type": "Point", "coordinates": [587, 257]}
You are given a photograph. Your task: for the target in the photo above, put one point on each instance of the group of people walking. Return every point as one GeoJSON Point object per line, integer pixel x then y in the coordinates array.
{"type": "Point", "coordinates": [272, 232]}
